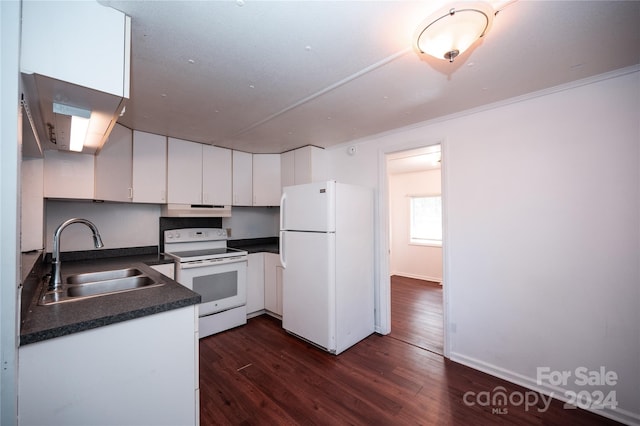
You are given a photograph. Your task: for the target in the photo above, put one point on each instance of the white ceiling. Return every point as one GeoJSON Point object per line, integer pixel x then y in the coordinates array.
{"type": "Point", "coordinates": [266, 76]}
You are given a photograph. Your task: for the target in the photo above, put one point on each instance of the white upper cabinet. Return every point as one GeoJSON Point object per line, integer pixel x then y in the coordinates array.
{"type": "Point", "coordinates": [31, 204]}
{"type": "Point", "coordinates": [310, 165]}
{"type": "Point", "coordinates": [113, 167]}
{"type": "Point", "coordinates": [81, 42]}
{"type": "Point", "coordinates": [303, 165]}
{"type": "Point", "coordinates": [216, 176]}
{"type": "Point", "coordinates": [74, 55]}
{"type": "Point", "coordinates": [149, 184]}
{"type": "Point", "coordinates": [242, 178]}
{"type": "Point", "coordinates": [266, 179]}
{"type": "Point", "coordinates": [288, 168]}
{"type": "Point", "coordinates": [68, 175]}
{"type": "Point", "coordinates": [132, 166]}
{"type": "Point", "coordinates": [256, 179]}
{"type": "Point", "coordinates": [198, 174]}
{"type": "Point", "coordinates": [184, 172]}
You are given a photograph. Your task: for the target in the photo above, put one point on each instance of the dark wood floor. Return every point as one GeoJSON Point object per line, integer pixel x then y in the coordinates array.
{"type": "Point", "coordinates": [416, 313]}
{"type": "Point", "coordinates": [260, 375]}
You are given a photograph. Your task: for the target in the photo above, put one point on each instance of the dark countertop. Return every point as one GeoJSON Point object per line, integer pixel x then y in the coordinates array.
{"type": "Point", "coordinates": [257, 245]}
{"type": "Point", "coordinates": [47, 322]}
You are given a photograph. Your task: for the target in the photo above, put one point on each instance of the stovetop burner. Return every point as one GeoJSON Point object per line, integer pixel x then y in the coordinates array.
{"type": "Point", "coordinates": [195, 244]}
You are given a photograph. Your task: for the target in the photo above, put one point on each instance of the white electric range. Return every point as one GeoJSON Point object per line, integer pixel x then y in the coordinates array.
{"type": "Point", "coordinates": [218, 273]}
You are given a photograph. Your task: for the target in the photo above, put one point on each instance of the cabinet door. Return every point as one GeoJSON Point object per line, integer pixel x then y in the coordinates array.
{"type": "Point", "coordinates": [154, 358]}
{"type": "Point", "coordinates": [68, 175]}
{"type": "Point", "coordinates": [216, 176]}
{"type": "Point", "coordinates": [113, 166]}
{"type": "Point", "coordinates": [272, 284]}
{"type": "Point", "coordinates": [302, 169]}
{"type": "Point", "coordinates": [255, 282]}
{"type": "Point", "coordinates": [287, 168]}
{"type": "Point", "coordinates": [149, 168]}
{"type": "Point", "coordinates": [81, 42]}
{"type": "Point", "coordinates": [242, 179]}
{"type": "Point", "coordinates": [310, 165]}
{"type": "Point", "coordinates": [32, 204]}
{"type": "Point", "coordinates": [184, 172]}
{"type": "Point", "coordinates": [266, 180]}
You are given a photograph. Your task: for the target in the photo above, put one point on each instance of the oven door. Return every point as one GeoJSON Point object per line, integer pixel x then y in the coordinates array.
{"type": "Point", "coordinates": [221, 283]}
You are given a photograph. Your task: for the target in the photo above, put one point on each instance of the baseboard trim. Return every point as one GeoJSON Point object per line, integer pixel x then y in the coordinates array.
{"type": "Point", "coordinates": [618, 414]}
{"type": "Point", "coordinates": [255, 314]}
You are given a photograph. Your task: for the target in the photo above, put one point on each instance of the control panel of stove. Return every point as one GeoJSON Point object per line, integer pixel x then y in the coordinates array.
{"type": "Point", "coordinates": [195, 234]}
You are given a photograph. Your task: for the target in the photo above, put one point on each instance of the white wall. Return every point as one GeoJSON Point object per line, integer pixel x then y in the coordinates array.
{"type": "Point", "coordinates": [120, 224]}
{"type": "Point", "coordinates": [10, 139]}
{"type": "Point", "coordinates": [543, 231]}
{"type": "Point", "coordinates": [412, 260]}
{"type": "Point", "coordinates": [252, 222]}
{"type": "Point", "coordinates": [137, 225]}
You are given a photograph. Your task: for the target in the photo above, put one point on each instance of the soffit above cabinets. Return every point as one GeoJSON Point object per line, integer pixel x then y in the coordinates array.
{"type": "Point", "coordinates": [266, 76]}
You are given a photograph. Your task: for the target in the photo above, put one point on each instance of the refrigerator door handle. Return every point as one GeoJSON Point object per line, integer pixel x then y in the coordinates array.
{"type": "Point", "coordinates": [281, 251]}
{"type": "Point", "coordinates": [283, 197]}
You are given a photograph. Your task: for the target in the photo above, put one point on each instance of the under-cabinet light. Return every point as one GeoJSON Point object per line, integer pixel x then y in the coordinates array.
{"type": "Point", "coordinates": [79, 127]}
{"type": "Point", "coordinates": [79, 124]}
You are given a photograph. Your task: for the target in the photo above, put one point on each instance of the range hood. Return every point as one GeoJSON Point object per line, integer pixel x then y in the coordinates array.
{"type": "Point", "coordinates": [195, 210]}
{"type": "Point", "coordinates": [47, 101]}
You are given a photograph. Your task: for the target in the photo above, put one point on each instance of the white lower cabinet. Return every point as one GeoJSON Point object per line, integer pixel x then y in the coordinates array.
{"type": "Point", "coordinates": [141, 371]}
{"type": "Point", "coordinates": [255, 284]}
{"type": "Point", "coordinates": [264, 285]}
{"type": "Point", "coordinates": [273, 284]}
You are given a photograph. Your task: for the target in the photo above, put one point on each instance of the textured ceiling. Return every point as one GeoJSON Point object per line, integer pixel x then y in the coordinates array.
{"type": "Point", "coordinates": [263, 76]}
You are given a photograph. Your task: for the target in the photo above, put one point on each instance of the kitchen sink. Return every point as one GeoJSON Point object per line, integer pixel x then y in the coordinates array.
{"type": "Point", "coordinates": [92, 277]}
{"type": "Point", "coordinates": [109, 286]}
{"type": "Point", "coordinates": [95, 284]}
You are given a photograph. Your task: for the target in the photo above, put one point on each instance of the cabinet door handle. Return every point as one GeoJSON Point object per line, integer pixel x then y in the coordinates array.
{"type": "Point", "coordinates": [131, 193]}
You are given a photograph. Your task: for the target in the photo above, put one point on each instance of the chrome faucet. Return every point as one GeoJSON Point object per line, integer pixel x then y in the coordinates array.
{"type": "Point", "coordinates": [56, 281]}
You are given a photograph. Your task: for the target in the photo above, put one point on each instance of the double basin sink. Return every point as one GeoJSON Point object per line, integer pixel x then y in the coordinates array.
{"type": "Point", "coordinates": [95, 284]}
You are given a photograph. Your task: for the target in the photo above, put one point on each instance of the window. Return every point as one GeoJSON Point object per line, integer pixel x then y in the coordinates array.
{"type": "Point", "coordinates": [425, 224]}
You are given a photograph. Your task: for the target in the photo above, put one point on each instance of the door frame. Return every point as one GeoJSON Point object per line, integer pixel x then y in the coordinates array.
{"type": "Point", "coordinates": [383, 296]}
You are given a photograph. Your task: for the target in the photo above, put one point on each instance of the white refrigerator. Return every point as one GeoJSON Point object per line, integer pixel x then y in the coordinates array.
{"type": "Point", "coordinates": [326, 250]}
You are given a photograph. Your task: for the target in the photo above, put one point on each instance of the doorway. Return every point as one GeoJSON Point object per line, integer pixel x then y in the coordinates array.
{"type": "Point", "coordinates": [414, 189]}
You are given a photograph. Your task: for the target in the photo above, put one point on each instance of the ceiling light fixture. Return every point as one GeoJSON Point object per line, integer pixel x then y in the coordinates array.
{"type": "Point", "coordinates": [448, 33]}
{"type": "Point", "coordinates": [79, 124]}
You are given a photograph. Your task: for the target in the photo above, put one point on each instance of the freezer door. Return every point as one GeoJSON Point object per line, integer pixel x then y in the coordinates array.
{"type": "Point", "coordinates": [308, 287]}
{"type": "Point", "coordinates": [308, 207]}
